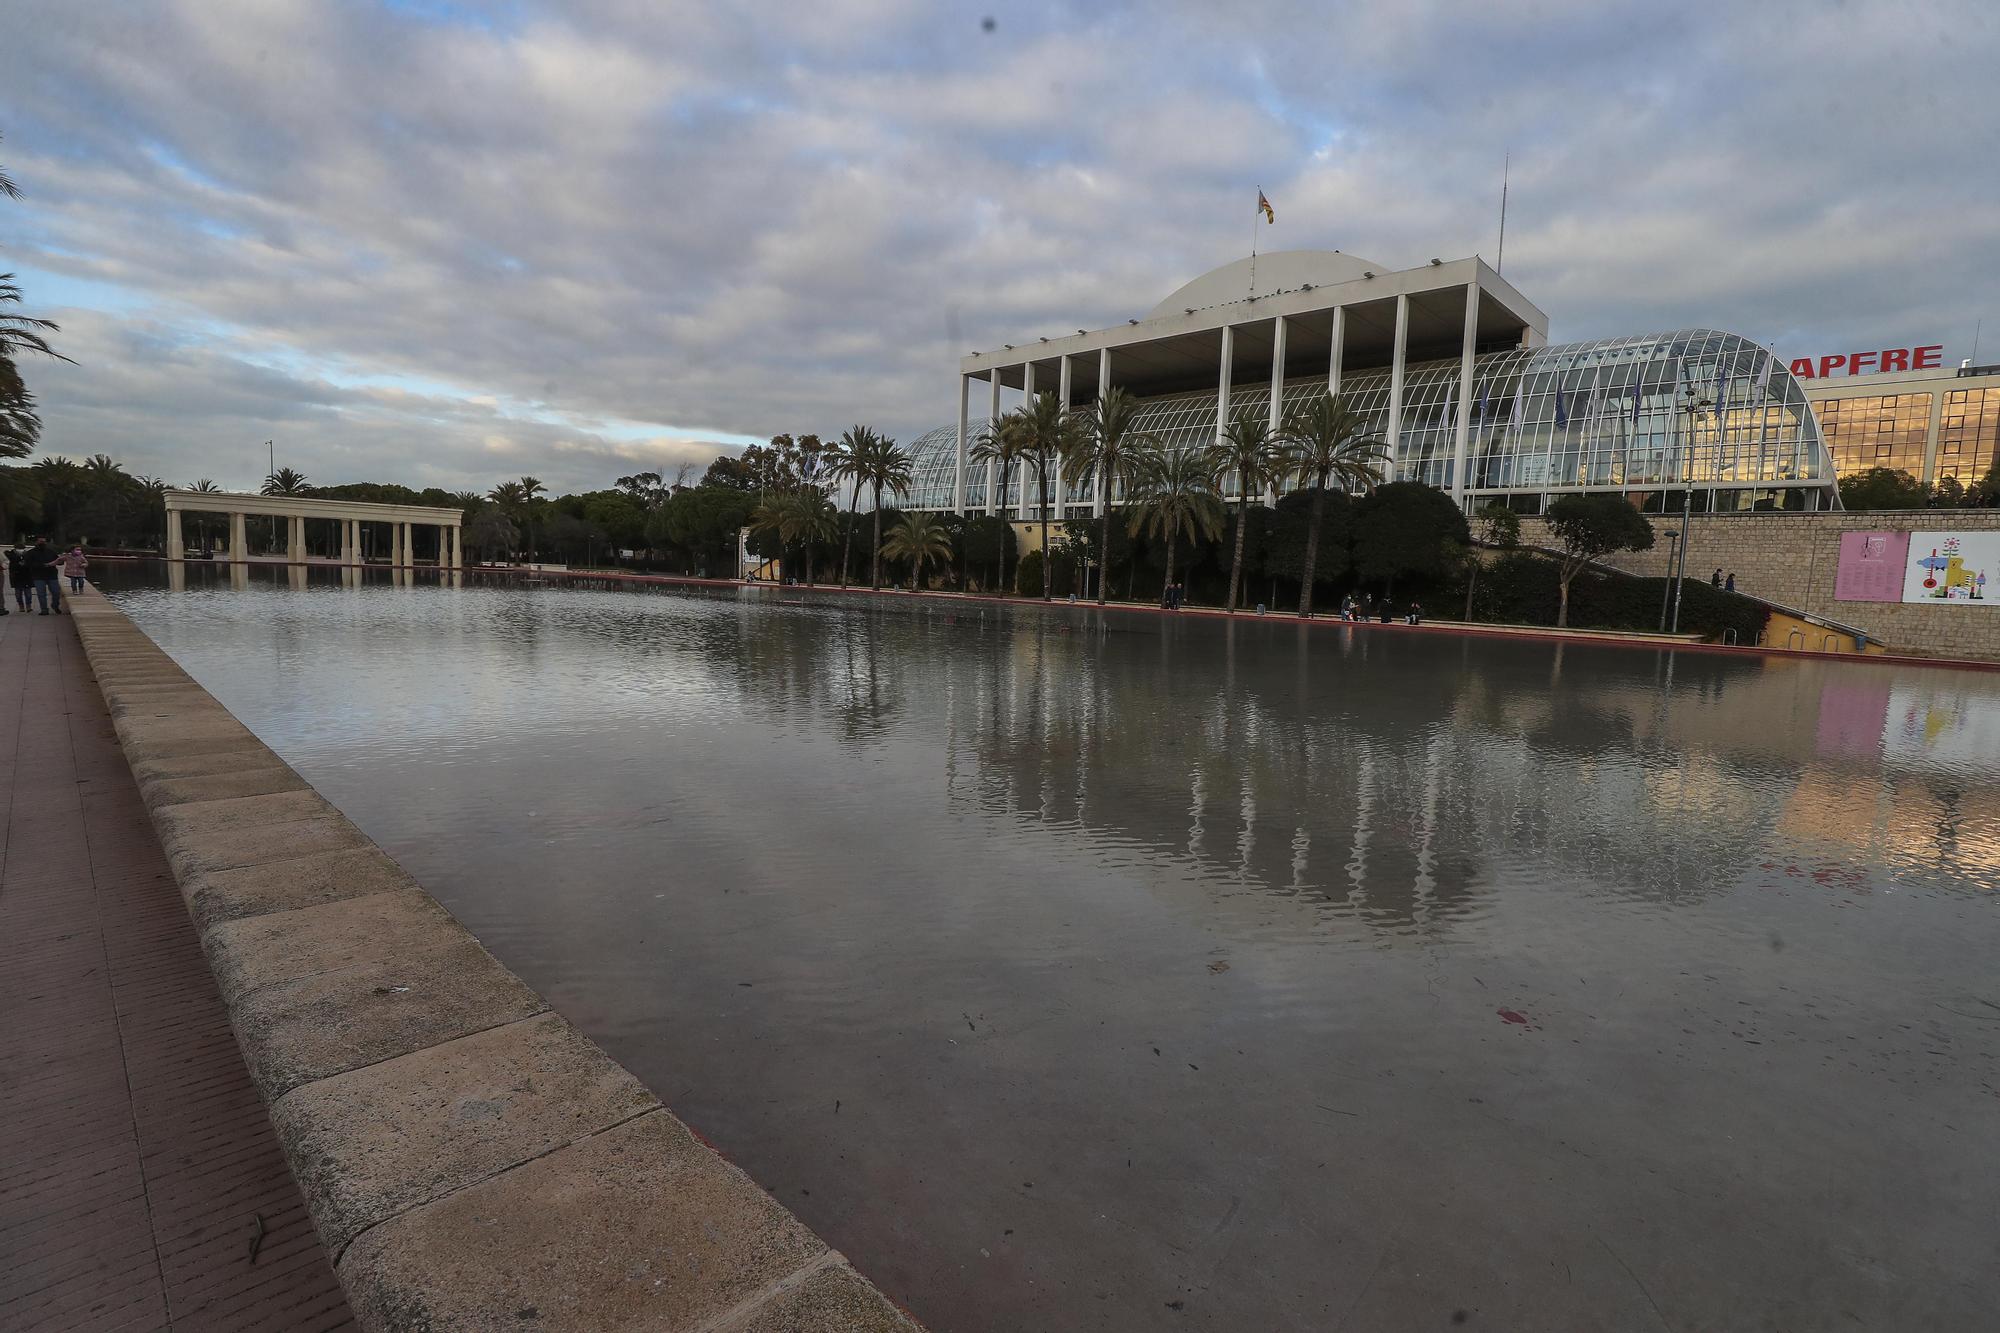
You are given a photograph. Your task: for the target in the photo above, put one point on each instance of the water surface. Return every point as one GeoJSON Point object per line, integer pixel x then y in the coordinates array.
{"type": "Point", "coordinates": [1122, 973]}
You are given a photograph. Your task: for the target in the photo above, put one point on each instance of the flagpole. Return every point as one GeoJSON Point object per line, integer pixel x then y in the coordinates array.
{"type": "Point", "coordinates": [1256, 216]}
{"type": "Point", "coordinates": [1506, 165]}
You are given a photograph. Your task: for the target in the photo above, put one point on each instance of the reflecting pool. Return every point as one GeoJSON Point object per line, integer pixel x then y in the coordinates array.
{"type": "Point", "coordinates": [1117, 972]}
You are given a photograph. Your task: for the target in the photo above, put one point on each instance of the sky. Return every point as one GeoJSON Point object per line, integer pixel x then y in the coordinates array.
{"type": "Point", "coordinates": [443, 243]}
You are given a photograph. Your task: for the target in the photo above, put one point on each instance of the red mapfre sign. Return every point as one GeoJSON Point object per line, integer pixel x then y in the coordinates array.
{"type": "Point", "coordinates": [1861, 363]}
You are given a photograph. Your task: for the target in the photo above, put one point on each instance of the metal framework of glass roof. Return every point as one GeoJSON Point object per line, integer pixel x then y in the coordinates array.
{"type": "Point", "coordinates": [1696, 407]}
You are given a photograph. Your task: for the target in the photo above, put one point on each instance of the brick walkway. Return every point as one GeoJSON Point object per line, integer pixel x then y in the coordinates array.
{"type": "Point", "coordinates": [135, 1155]}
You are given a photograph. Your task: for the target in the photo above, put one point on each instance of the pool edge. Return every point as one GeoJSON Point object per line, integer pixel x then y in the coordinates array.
{"type": "Point", "coordinates": [467, 1156]}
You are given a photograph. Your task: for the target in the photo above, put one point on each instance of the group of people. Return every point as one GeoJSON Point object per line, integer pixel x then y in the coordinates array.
{"type": "Point", "coordinates": [1172, 596]}
{"type": "Point", "coordinates": [1364, 607]}
{"type": "Point", "coordinates": [36, 571]}
{"type": "Point", "coordinates": [1717, 580]}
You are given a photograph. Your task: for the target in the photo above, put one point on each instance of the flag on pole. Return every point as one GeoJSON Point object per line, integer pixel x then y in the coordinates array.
{"type": "Point", "coordinates": [1638, 393]}
{"type": "Point", "coordinates": [1562, 417]}
{"type": "Point", "coordinates": [1520, 401]}
{"type": "Point", "coordinates": [1485, 400]}
{"type": "Point", "coordinates": [1264, 207]}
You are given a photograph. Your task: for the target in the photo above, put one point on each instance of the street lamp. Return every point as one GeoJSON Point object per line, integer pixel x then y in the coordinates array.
{"type": "Point", "coordinates": [1693, 404]}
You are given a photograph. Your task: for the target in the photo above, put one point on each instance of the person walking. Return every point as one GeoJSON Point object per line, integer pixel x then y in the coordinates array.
{"type": "Point", "coordinates": [1729, 584]}
{"type": "Point", "coordinates": [73, 563]}
{"type": "Point", "coordinates": [42, 570]}
{"type": "Point", "coordinates": [1715, 579]}
{"type": "Point", "coordinates": [17, 574]}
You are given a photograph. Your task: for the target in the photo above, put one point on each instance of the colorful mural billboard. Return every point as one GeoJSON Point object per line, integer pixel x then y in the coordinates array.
{"type": "Point", "coordinates": [1951, 566]}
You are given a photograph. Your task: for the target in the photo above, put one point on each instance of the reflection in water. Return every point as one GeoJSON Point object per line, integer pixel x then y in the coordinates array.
{"type": "Point", "coordinates": [1055, 961]}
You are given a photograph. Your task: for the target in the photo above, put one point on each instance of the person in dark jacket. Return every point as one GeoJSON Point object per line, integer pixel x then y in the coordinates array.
{"type": "Point", "coordinates": [41, 564]}
{"type": "Point", "coordinates": [17, 574]}
{"type": "Point", "coordinates": [1729, 584]}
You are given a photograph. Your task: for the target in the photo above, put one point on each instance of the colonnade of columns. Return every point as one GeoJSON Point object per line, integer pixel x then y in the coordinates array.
{"type": "Point", "coordinates": [451, 552]}
{"type": "Point", "coordinates": [1391, 432]}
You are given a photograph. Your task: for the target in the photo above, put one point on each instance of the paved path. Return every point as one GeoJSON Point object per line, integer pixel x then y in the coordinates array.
{"type": "Point", "coordinates": [136, 1158]}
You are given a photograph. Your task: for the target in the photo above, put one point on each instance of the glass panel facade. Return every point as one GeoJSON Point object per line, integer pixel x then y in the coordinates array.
{"type": "Point", "coordinates": [1968, 434]}
{"type": "Point", "coordinates": [1884, 431]}
{"type": "Point", "coordinates": [1698, 407]}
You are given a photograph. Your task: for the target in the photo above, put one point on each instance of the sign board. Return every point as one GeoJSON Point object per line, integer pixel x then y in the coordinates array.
{"type": "Point", "coordinates": [1952, 567]}
{"type": "Point", "coordinates": [1871, 567]}
{"type": "Point", "coordinates": [1863, 363]}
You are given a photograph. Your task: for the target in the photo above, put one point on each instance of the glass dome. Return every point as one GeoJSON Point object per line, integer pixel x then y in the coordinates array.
{"type": "Point", "coordinates": [1634, 415]}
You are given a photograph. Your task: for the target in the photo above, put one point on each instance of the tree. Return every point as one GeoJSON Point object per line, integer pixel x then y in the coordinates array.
{"type": "Point", "coordinates": [885, 465]}
{"type": "Point", "coordinates": [1001, 444]}
{"type": "Point", "coordinates": [282, 482]}
{"type": "Point", "coordinates": [703, 521]}
{"type": "Point", "coordinates": [1325, 444]}
{"type": "Point", "coordinates": [1588, 527]}
{"type": "Point", "coordinates": [1986, 491]}
{"type": "Point", "coordinates": [919, 539]}
{"type": "Point", "coordinates": [492, 531]}
{"type": "Point", "coordinates": [987, 540]}
{"type": "Point", "coordinates": [1251, 452]}
{"type": "Point", "coordinates": [19, 426]}
{"type": "Point", "coordinates": [1176, 497]}
{"type": "Point", "coordinates": [1049, 433]}
{"type": "Point", "coordinates": [1406, 528]}
{"type": "Point", "coordinates": [847, 462]}
{"type": "Point", "coordinates": [1112, 452]}
{"type": "Point", "coordinates": [1497, 528]}
{"type": "Point", "coordinates": [1881, 488]}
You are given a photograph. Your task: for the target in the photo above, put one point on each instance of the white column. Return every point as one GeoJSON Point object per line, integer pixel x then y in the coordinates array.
{"type": "Point", "coordinates": [458, 546]}
{"type": "Point", "coordinates": [1027, 396]}
{"type": "Point", "coordinates": [175, 550]}
{"type": "Point", "coordinates": [1057, 491]}
{"type": "Point", "coordinates": [1222, 383]}
{"type": "Point", "coordinates": [1339, 349]}
{"type": "Point", "coordinates": [295, 538]}
{"type": "Point", "coordinates": [958, 464]}
{"type": "Point", "coordinates": [1461, 441]}
{"type": "Point", "coordinates": [239, 542]}
{"type": "Point", "coordinates": [1098, 499]}
{"type": "Point", "coordinates": [992, 424]}
{"type": "Point", "coordinates": [1396, 382]}
{"type": "Point", "coordinates": [1277, 416]}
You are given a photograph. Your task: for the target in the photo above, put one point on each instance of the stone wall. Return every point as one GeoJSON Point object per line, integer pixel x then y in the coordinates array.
{"type": "Point", "coordinates": [1791, 559]}
{"type": "Point", "coordinates": [469, 1159]}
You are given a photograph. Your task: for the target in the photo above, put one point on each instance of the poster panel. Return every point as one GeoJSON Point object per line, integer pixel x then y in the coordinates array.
{"type": "Point", "coordinates": [1951, 567]}
{"type": "Point", "coordinates": [1871, 566]}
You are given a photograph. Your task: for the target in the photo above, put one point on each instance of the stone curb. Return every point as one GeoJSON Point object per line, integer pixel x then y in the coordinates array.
{"type": "Point", "coordinates": [469, 1158]}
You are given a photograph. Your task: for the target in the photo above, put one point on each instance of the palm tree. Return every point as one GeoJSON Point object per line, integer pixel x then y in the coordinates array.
{"type": "Point", "coordinates": [1113, 454]}
{"type": "Point", "coordinates": [797, 516]}
{"type": "Point", "coordinates": [511, 498]}
{"type": "Point", "coordinates": [205, 486]}
{"type": "Point", "coordinates": [531, 491]}
{"type": "Point", "coordinates": [1050, 432]}
{"type": "Point", "coordinates": [1176, 497]}
{"type": "Point", "coordinates": [919, 539]}
{"type": "Point", "coordinates": [845, 464]}
{"type": "Point", "coordinates": [1000, 443]}
{"type": "Point", "coordinates": [1325, 442]}
{"type": "Point", "coordinates": [815, 519]}
{"type": "Point", "coordinates": [285, 481]}
{"type": "Point", "coordinates": [885, 465]}
{"type": "Point", "coordinates": [1251, 451]}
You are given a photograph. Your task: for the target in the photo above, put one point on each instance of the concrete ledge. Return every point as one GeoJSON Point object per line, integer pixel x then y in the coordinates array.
{"type": "Point", "coordinates": [469, 1158]}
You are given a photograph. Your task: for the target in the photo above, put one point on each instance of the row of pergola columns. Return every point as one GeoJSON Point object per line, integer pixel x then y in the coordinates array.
{"type": "Point", "coordinates": [402, 531]}
{"type": "Point", "coordinates": [1391, 432]}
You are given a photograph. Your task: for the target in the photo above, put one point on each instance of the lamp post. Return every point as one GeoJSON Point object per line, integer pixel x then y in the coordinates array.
{"type": "Point", "coordinates": [1693, 404]}
{"type": "Point", "coordinates": [1667, 586]}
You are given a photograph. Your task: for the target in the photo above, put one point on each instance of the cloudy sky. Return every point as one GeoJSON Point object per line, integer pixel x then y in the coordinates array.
{"type": "Point", "coordinates": [444, 242]}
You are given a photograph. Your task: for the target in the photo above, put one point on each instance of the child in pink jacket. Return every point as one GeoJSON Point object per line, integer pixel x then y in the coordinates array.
{"type": "Point", "coordinates": [74, 562]}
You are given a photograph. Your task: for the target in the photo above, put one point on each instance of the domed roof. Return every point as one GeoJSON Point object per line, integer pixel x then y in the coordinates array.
{"type": "Point", "coordinates": [1281, 271]}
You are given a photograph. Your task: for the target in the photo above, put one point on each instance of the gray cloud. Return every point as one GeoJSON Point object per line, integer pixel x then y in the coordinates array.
{"type": "Point", "coordinates": [732, 221]}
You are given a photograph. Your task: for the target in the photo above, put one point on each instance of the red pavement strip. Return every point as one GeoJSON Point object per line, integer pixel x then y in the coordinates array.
{"type": "Point", "coordinates": [135, 1153]}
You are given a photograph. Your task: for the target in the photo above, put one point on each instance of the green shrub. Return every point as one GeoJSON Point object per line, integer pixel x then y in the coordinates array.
{"type": "Point", "coordinates": [1028, 575]}
{"type": "Point", "coordinates": [1521, 589]}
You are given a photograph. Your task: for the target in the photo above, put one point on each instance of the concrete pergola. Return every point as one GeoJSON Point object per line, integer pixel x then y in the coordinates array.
{"type": "Point", "coordinates": [350, 514]}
